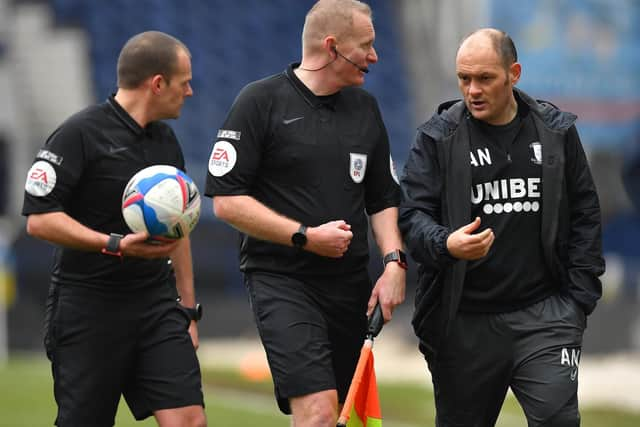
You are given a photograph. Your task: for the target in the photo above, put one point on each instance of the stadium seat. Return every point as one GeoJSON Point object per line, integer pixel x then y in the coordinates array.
{"type": "Point", "coordinates": [231, 47]}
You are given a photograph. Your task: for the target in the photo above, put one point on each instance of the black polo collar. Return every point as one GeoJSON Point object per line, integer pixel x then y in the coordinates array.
{"type": "Point", "coordinates": [124, 116]}
{"type": "Point", "coordinates": [315, 101]}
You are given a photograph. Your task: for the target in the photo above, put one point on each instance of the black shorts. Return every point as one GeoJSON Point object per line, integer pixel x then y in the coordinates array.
{"type": "Point", "coordinates": [312, 331]}
{"type": "Point", "coordinates": [534, 351]}
{"type": "Point", "coordinates": [103, 344]}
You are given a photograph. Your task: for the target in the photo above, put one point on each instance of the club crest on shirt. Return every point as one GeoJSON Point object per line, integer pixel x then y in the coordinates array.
{"type": "Point", "coordinates": [357, 166]}
{"type": "Point", "coordinates": [41, 179]}
{"type": "Point", "coordinates": [536, 150]}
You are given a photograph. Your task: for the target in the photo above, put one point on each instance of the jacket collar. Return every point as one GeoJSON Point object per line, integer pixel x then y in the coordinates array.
{"type": "Point", "coordinates": [450, 113]}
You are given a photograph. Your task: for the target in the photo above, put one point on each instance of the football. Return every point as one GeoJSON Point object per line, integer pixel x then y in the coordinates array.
{"type": "Point", "coordinates": [161, 200]}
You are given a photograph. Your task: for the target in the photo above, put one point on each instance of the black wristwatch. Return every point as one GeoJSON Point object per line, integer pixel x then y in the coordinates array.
{"type": "Point", "coordinates": [194, 312]}
{"type": "Point", "coordinates": [396, 256]}
{"type": "Point", "coordinates": [113, 245]}
{"type": "Point", "coordinates": [299, 238]}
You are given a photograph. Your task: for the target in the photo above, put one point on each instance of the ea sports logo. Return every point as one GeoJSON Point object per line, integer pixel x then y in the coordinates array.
{"type": "Point", "coordinates": [223, 158]}
{"type": "Point", "coordinates": [41, 179]}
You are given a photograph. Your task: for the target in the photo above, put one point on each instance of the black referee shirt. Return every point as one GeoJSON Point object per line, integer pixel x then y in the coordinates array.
{"type": "Point", "coordinates": [82, 170]}
{"type": "Point", "coordinates": [313, 159]}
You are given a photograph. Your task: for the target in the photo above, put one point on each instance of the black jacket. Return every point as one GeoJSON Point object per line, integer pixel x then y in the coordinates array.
{"type": "Point", "coordinates": [436, 185]}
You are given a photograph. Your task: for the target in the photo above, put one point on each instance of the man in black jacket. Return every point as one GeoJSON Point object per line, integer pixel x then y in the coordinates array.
{"type": "Point", "coordinates": [500, 211]}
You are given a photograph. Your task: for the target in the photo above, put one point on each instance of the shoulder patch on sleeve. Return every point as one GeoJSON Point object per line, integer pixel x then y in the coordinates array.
{"type": "Point", "coordinates": [41, 179]}
{"type": "Point", "coordinates": [223, 158]}
{"type": "Point", "coordinates": [229, 134]}
{"type": "Point", "coordinates": [49, 156]}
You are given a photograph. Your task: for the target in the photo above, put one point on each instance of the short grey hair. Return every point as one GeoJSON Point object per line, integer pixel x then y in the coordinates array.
{"type": "Point", "coordinates": [331, 17]}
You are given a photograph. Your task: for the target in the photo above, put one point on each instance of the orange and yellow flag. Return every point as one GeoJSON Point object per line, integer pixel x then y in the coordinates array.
{"type": "Point", "coordinates": [366, 405]}
{"type": "Point", "coordinates": [362, 405]}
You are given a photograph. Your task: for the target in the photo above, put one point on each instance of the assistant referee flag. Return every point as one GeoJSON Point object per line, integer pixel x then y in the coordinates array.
{"type": "Point", "coordinates": [362, 405]}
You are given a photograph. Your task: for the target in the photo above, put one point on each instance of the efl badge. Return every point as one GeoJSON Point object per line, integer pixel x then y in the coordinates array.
{"type": "Point", "coordinates": [536, 148]}
{"type": "Point", "coordinates": [223, 158]}
{"type": "Point", "coordinates": [357, 166]}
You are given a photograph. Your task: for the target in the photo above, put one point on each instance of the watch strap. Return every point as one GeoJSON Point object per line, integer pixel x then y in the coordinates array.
{"type": "Point", "coordinates": [396, 256]}
{"type": "Point", "coordinates": [113, 245]}
{"type": "Point", "coordinates": [195, 313]}
{"type": "Point", "coordinates": [299, 238]}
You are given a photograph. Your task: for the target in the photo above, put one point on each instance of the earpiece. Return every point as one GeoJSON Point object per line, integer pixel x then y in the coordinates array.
{"type": "Point", "coordinates": [363, 69]}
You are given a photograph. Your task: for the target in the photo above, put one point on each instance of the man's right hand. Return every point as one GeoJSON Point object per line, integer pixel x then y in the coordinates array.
{"type": "Point", "coordinates": [331, 239]}
{"type": "Point", "coordinates": [137, 245]}
{"type": "Point", "coordinates": [463, 244]}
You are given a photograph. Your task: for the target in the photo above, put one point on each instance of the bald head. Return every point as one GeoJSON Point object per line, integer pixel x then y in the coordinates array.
{"type": "Point", "coordinates": [490, 38]}
{"type": "Point", "coordinates": [330, 17]}
{"type": "Point", "coordinates": [487, 70]}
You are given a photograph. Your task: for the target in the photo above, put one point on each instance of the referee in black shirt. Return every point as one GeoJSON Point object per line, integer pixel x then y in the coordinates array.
{"type": "Point", "coordinates": [114, 324]}
{"type": "Point", "coordinates": [302, 158]}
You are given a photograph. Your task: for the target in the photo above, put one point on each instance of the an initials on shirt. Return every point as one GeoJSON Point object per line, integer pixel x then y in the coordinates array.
{"type": "Point", "coordinates": [482, 155]}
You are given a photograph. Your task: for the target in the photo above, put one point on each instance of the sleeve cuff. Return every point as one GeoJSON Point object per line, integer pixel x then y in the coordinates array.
{"type": "Point", "coordinates": [441, 246]}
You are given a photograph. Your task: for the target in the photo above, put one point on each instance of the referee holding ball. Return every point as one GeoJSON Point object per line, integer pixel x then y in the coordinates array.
{"type": "Point", "coordinates": [113, 323]}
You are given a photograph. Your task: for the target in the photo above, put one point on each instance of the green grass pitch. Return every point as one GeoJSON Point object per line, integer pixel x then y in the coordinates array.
{"type": "Point", "coordinates": [26, 400]}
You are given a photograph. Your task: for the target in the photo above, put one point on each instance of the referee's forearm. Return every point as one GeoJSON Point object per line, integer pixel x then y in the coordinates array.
{"type": "Point", "coordinates": [61, 229]}
{"type": "Point", "coordinates": [183, 268]}
{"type": "Point", "coordinates": [384, 225]}
{"type": "Point", "coordinates": [252, 217]}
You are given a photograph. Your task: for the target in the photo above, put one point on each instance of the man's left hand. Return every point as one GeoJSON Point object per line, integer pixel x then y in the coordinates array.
{"type": "Point", "coordinates": [389, 290]}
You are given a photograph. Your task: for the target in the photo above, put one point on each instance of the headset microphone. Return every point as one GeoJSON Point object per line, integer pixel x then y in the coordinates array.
{"type": "Point", "coordinates": [363, 69]}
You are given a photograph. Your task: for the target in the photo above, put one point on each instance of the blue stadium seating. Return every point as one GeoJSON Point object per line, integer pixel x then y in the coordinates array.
{"type": "Point", "coordinates": [232, 43]}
